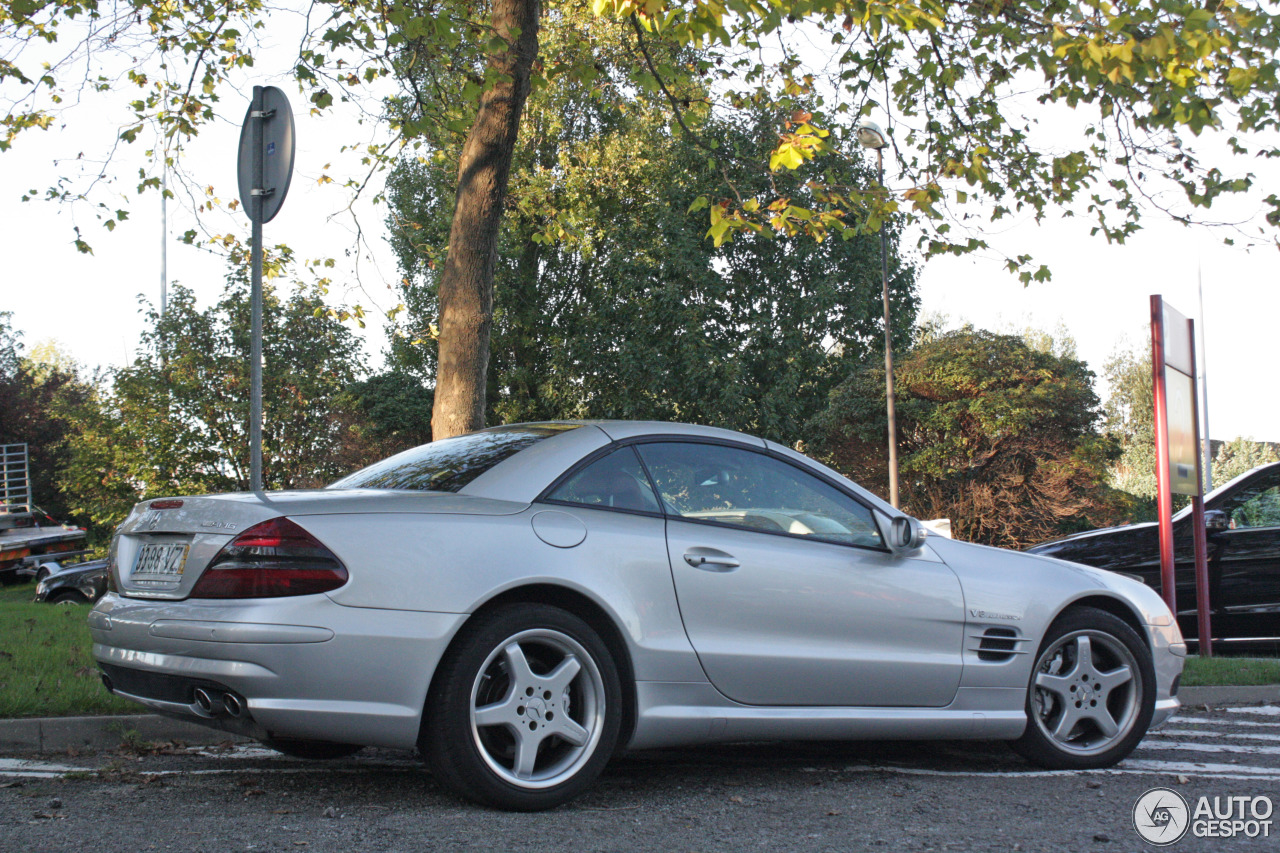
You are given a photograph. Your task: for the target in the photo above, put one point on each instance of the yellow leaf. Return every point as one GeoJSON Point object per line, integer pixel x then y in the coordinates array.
{"type": "Point", "coordinates": [786, 155]}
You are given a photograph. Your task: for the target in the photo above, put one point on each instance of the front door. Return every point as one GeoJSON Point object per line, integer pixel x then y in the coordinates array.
{"type": "Point", "coordinates": [788, 593]}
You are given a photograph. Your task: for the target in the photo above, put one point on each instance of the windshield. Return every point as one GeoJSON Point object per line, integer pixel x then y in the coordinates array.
{"type": "Point", "coordinates": [449, 464]}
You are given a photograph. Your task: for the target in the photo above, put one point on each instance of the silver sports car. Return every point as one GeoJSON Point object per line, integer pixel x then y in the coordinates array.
{"type": "Point", "coordinates": [523, 602]}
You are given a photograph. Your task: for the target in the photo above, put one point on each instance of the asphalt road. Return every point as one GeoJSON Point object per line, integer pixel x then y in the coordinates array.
{"type": "Point", "coordinates": [802, 797]}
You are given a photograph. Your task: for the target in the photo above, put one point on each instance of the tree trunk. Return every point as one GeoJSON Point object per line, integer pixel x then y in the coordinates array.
{"type": "Point", "coordinates": [466, 284]}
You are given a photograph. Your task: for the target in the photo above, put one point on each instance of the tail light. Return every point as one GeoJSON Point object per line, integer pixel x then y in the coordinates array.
{"type": "Point", "coordinates": [113, 567]}
{"type": "Point", "coordinates": [269, 560]}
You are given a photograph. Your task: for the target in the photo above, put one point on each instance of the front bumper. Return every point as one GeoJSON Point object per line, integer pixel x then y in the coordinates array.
{"type": "Point", "coordinates": [1168, 654]}
{"type": "Point", "coordinates": [306, 667]}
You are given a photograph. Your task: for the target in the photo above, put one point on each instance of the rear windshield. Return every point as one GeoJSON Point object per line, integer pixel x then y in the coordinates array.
{"type": "Point", "coordinates": [449, 464]}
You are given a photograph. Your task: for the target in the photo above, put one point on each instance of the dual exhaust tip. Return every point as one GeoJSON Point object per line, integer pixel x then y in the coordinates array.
{"type": "Point", "coordinates": [211, 702]}
{"type": "Point", "coordinates": [215, 703]}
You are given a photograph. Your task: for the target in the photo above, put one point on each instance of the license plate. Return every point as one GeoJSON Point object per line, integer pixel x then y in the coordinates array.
{"type": "Point", "coordinates": [161, 559]}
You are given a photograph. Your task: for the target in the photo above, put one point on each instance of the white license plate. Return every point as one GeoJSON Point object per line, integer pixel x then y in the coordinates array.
{"type": "Point", "coordinates": [161, 559]}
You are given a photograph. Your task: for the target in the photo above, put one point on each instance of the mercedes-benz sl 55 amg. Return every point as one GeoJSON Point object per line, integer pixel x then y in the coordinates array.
{"type": "Point", "coordinates": [523, 602]}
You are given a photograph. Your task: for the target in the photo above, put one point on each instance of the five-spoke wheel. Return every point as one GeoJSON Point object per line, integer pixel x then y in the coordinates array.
{"type": "Point", "coordinates": [1091, 694]}
{"type": "Point", "coordinates": [525, 710]}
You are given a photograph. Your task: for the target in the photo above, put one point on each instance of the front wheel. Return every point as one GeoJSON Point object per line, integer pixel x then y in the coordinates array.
{"type": "Point", "coordinates": [525, 709]}
{"type": "Point", "coordinates": [1091, 695]}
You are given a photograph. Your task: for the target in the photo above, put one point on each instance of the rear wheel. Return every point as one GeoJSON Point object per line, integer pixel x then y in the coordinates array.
{"type": "Point", "coordinates": [1091, 695]}
{"type": "Point", "coordinates": [525, 709]}
{"type": "Point", "coordinates": [68, 597]}
{"type": "Point", "coordinates": [316, 750]}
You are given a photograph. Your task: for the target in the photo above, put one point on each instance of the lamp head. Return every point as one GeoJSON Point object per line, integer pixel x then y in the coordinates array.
{"type": "Point", "coordinates": [870, 135]}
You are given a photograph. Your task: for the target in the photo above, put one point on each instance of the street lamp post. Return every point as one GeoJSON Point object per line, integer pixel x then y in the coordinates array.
{"type": "Point", "coordinates": [871, 136]}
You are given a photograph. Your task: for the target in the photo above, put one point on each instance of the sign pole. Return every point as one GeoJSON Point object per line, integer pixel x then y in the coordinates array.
{"type": "Point", "coordinates": [1203, 629]}
{"type": "Point", "coordinates": [1164, 498]}
{"type": "Point", "coordinates": [1179, 461]}
{"type": "Point", "coordinates": [264, 167]}
{"type": "Point", "coordinates": [256, 117]}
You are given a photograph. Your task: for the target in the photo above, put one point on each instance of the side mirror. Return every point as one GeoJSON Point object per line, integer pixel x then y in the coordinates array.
{"type": "Point", "coordinates": [1216, 521]}
{"type": "Point", "coordinates": [906, 534]}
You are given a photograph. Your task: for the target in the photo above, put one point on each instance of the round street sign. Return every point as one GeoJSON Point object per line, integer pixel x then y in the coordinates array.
{"type": "Point", "coordinates": [277, 154]}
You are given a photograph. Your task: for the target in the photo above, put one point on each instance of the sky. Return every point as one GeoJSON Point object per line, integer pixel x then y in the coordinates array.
{"type": "Point", "coordinates": [1099, 293]}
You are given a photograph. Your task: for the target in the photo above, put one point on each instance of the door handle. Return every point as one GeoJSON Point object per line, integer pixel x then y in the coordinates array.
{"type": "Point", "coordinates": [710, 560]}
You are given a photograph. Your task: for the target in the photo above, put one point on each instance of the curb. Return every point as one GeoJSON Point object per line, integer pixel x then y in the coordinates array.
{"type": "Point", "coordinates": [59, 734]}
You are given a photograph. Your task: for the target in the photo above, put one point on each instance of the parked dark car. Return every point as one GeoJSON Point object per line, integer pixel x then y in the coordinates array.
{"type": "Point", "coordinates": [82, 583]}
{"type": "Point", "coordinates": [1242, 520]}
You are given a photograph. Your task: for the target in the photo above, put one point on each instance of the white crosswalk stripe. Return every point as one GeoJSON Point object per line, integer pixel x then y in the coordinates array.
{"type": "Point", "coordinates": [1204, 734]}
{"type": "Point", "coordinates": [1212, 737]}
{"type": "Point", "coordinates": [33, 769]}
{"type": "Point", "coordinates": [1203, 746]}
{"type": "Point", "coordinates": [1263, 711]}
{"type": "Point", "coordinates": [1205, 721]}
{"type": "Point", "coordinates": [1196, 768]}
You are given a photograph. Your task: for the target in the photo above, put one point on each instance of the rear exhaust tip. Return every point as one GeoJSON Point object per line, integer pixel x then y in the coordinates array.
{"type": "Point", "coordinates": [106, 682]}
{"type": "Point", "coordinates": [233, 703]}
{"type": "Point", "coordinates": [207, 702]}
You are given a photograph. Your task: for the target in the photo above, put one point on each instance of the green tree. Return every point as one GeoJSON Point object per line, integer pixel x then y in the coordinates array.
{"type": "Point", "coordinates": [1130, 420]}
{"type": "Point", "coordinates": [1150, 74]}
{"type": "Point", "coordinates": [40, 400]}
{"type": "Point", "coordinates": [380, 416]}
{"type": "Point", "coordinates": [1239, 456]}
{"type": "Point", "coordinates": [609, 302]}
{"type": "Point", "coordinates": [176, 420]}
{"type": "Point", "coordinates": [1000, 437]}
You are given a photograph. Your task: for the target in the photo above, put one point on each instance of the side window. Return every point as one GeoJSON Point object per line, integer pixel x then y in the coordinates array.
{"type": "Point", "coordinates": [615, 481]}
{"type": "Point", "coordinates": [740, 488]}
{"type": "Point", "coordinates": [1257, 507]}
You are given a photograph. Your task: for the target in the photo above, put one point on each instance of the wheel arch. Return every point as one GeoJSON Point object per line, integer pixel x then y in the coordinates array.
{"type": "Point", "coordinates": [589, 611]}
{"type": "Point", "coordinates": [1109, 604]}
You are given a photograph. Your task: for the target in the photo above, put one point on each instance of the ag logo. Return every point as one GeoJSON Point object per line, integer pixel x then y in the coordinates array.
{"type": "Point", "coordinates": [1161, 816]}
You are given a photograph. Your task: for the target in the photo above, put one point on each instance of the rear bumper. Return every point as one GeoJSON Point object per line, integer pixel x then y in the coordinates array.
{"type": "Point", "coordinates": [287, 658]}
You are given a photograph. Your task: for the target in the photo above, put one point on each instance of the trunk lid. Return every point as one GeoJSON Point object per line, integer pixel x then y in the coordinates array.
{"type": "Point", "coordinates": [164, 545]}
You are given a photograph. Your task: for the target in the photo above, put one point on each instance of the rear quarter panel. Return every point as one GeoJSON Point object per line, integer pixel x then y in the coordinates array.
{"type": "Point", "coordinates": [456, 563]}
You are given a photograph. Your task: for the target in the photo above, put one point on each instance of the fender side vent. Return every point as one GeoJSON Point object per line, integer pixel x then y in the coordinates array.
{"type": "Point", "coordinates": [999, 644]}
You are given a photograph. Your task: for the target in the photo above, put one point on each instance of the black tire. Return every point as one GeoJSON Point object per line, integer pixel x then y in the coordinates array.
{"type": "Point", "coordinates": [313, 750]}
{"type": "Point", "coordinates": [553, 702]}
{"type": "Point", "coordinates": [68, 597]}
{"type": "Point", "coordinates": [1084, 714]}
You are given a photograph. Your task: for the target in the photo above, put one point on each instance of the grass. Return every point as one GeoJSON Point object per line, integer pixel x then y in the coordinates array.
{"type": "Point", "coordinates": [1219, 671]}
{"type": "Point", "coordinates": [46, 668]}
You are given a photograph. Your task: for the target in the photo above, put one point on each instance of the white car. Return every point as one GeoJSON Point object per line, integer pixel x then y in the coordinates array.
{"type": "Point", "coordinates": [522, 602]}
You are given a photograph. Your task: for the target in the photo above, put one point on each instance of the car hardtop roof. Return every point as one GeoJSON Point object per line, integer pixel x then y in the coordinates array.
{"type": "Point", "coordinates": [618, 430]}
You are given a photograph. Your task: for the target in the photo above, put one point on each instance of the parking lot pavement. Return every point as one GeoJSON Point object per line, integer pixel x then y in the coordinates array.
{"type": "Point", "coordinates": [795, 796]}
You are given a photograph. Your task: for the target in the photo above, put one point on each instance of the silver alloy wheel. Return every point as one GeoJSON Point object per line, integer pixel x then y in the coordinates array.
{"type": "Point", "coordinates": [1088, 693]}
{"type": "Point", "coordinates": [537, 708]}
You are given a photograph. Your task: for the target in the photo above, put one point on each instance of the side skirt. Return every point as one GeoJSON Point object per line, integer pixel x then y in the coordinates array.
{"type": "Point", "coordinates": [686, 713]}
